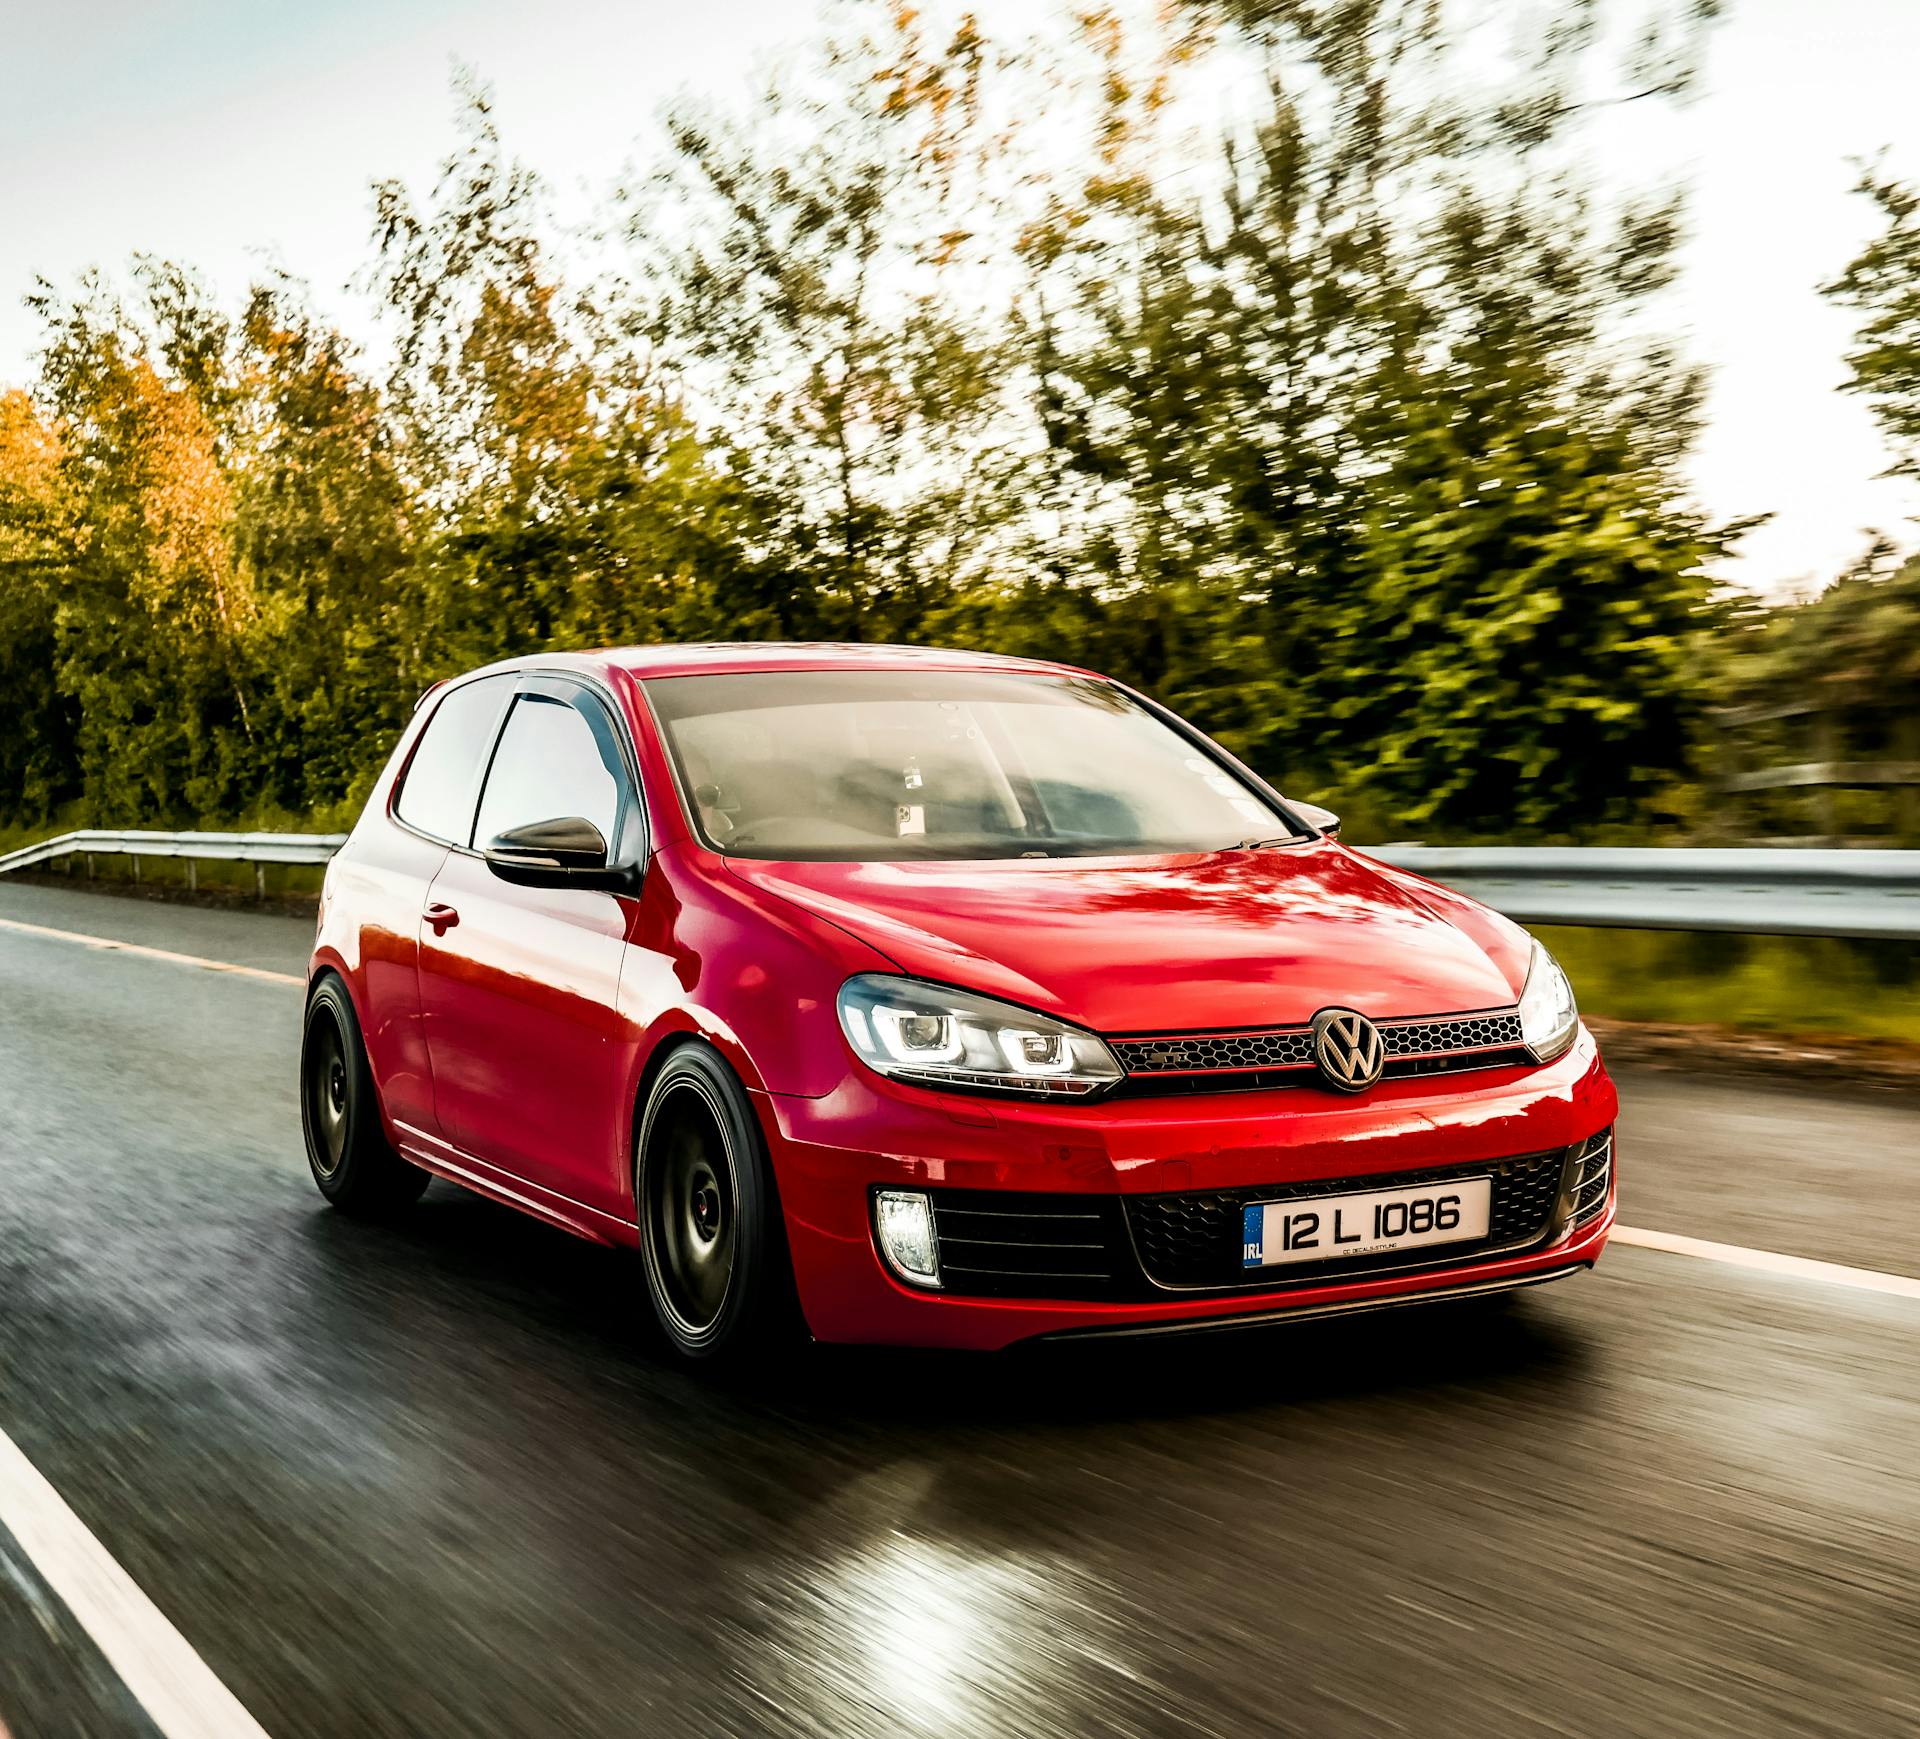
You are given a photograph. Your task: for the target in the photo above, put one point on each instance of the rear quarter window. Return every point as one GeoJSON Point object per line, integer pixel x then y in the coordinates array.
{"type": "Point", "coordinates": [441, 782]}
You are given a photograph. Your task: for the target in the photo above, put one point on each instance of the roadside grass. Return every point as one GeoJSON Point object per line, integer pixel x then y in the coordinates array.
{"type": "Point", "coordinates": [1770, 984]}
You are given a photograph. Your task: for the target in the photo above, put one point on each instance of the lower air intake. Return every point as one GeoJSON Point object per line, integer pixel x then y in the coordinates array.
{"type": "Point", "coordinates": [1008, 1244]}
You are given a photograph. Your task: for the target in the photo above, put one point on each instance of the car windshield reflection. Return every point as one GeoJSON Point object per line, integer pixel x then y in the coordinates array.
{"type": "Point", "coordinates": [866, 765]}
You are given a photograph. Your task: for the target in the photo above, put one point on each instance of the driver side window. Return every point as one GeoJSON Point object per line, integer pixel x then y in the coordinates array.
{"type": "Point", "coordinates": [552, 761]}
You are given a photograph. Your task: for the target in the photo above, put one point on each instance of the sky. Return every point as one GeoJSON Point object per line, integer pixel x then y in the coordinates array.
{"type": "Point", "coordinates": [228, 133]}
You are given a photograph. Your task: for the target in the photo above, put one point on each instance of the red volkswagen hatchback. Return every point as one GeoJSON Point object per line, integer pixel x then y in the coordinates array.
{"type": "Point", "coordinates": [953, 1000]}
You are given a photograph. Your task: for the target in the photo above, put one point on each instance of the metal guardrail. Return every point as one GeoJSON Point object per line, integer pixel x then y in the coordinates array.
{"type": "Point", "coordinates": [258, 849]}
{"type": "Point", "coordinates": [1868, 895]}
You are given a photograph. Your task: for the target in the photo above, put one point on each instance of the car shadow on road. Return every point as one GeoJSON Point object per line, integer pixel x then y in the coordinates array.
{"type": "Point", "coordinates": [503, 1276]}
{"type": "Point", "coordinates": [1425, 1348]}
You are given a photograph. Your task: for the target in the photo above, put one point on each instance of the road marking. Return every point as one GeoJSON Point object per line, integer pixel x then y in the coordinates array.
{"type": "Point", "coordinates": [1771, 1262]}
{"type": "Point", "coordinates": [166, 954]}
{"type": "Point", "coordinates": [154, 1661]}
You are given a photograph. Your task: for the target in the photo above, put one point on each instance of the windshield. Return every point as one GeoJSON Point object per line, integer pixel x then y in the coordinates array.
{"type": "Point", "coordinates": [878, 764]}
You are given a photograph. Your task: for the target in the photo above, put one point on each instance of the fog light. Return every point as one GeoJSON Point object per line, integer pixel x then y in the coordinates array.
{"type": "Point", "coordinates": [904, 1220]}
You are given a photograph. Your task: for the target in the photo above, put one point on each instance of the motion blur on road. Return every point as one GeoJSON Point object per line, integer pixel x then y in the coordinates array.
{"type": "Point", "coordinates": [438, 1478]}
{"type": "Point", "coordinates": [1467, 412]}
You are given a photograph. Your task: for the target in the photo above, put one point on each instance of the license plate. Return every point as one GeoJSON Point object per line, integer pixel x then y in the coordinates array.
{"type": "Point", "coordinates": [1322, 1228]}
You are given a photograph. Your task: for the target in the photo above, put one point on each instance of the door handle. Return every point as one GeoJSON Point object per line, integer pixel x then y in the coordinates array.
{"type": "Point", "coordinates": [442, 918]}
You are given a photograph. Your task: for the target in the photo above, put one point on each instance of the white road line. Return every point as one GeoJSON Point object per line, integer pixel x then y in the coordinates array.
{"type": "Point", "coordinates": [155, 1662]}
{"type": "Point", "coordinates": [166, 954]}
{"type": "Point", "coordinates": [1771, 1262]}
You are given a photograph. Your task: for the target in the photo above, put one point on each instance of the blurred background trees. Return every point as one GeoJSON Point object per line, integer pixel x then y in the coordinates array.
{"type": "Point", "coordinates": [1338, 418]}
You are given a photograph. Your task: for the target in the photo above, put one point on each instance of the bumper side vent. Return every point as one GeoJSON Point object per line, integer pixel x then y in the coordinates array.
{"type": "Point", "coordinates": [1593, 1177]}
{"type": "Point", "coordinates": [1016, 1244]}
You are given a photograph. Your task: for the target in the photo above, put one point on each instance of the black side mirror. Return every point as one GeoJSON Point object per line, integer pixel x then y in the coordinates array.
{"type": "Point", "coordinates": [1314, 816]}
{"type": "Point", "coordinates": [567, 852]}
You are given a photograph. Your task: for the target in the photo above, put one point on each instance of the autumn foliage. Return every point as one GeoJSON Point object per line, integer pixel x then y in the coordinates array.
{"type": "Point", "coordinates": [1328, 422]}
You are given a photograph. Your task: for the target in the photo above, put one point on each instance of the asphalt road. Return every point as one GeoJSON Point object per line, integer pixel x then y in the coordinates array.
{"type": "Point", "coordinates": [440, 1479]}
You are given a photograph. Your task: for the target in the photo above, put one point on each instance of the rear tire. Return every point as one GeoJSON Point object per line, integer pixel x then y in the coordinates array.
{"type": "Point", "coordinates": [712, 1240]}
{"type": "Point", "coordinates": [346, 1146]}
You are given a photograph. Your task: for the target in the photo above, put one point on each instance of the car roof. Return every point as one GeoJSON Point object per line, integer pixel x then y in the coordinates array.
{"type": "Point", "coordinates": [718, 657]}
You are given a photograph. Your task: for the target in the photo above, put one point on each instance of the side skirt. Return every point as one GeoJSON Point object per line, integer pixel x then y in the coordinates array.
{"type": "Point", "coordinates": [445, 1160]}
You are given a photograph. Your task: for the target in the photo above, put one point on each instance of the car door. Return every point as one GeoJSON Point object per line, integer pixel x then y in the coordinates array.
{"type": "Point", "coordinates": [387, 875]}
{"type": "Point", "coordinates": [519, 985]}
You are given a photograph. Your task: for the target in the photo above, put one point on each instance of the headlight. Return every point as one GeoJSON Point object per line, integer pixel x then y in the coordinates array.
{"type": "Point", "coordinates": [1548, 1018]}
{"type": "Point", "coordinates": [940, 1037]}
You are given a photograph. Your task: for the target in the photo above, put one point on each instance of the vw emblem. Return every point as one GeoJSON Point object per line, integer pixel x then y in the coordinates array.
{"type": "Point", "coordinates": [1347, 1049]}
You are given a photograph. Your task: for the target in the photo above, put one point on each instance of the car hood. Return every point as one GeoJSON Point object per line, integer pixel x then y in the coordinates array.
{"type": "Point", "coordinates": [1174, 944]}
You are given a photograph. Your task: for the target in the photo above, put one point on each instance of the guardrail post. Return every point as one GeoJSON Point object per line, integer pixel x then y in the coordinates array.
{"type": "Point", "coordinates": [1826, 748]}
{"type": "Point", "coordinates": [1906, 800]}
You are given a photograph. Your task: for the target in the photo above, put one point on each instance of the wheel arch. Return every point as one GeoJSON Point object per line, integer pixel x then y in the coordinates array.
{"type": "Point", "coordinates": [327, 963]}
{"type": "Point", "coordinates": [682, 1028]}
{"type": "Point", "coordinates": [670, 1045]}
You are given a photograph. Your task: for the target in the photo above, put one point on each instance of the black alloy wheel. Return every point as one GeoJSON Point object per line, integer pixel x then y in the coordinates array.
{"type": "Point", "coordinates": [711, 1238]}
{"type": "Point", "coordinates": [326, 1089]}
{"type": "Point", "coordinates": [346, 1146]}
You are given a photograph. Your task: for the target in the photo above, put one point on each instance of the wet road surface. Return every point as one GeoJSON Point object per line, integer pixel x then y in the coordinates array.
{"type": "Point", "coordinates": [439, 1478]}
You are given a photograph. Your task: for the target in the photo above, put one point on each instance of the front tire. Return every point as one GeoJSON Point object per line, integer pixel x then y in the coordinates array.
{"type": "Point", "coordinates": [712, 1241]}
{"type": "Point", "coordinates": [346, 1146]}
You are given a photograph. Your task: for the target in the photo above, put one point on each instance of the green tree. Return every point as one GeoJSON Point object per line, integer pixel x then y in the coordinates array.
{"type": "Point", "coordinates": [1389, 500]}
{"type": "Point", "coordinates": [40, 541]}
{"type": "Point", "coordinates": [154, 608]}
{"type": "Point", "coordinates": [1332, 425]}
{"type": "Point", "coordinates": [813, 259]}
{"type": "Point", "coordinates": [561, 492]}
{"type": "Point", "coordinates": [328, 536]}
{"type": "Point", "coordinates": [1882, 286]}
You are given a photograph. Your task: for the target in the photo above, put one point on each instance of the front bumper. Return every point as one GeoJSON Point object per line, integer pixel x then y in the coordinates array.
{"type": "Point", "coordinates": [829, 1155]}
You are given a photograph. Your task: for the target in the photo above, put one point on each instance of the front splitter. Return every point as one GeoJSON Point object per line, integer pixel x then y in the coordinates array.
{"type": "Point", "coordinates": [1315, 1312]}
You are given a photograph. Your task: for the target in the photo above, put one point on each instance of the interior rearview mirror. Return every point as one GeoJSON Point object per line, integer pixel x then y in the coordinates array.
{"type": "Point", "coordinates": [568, 851]}
{"type": "Point", "coordinates": [1314, 816]}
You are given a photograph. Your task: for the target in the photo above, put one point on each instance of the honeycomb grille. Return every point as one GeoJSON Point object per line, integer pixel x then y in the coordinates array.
{"type": "Point", "coordinates": [1461, 1032]}
{"type": "Point", "coordinates": [1193, 1240]}
{"type": "Point", "coordinates": [1292, 1047]}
